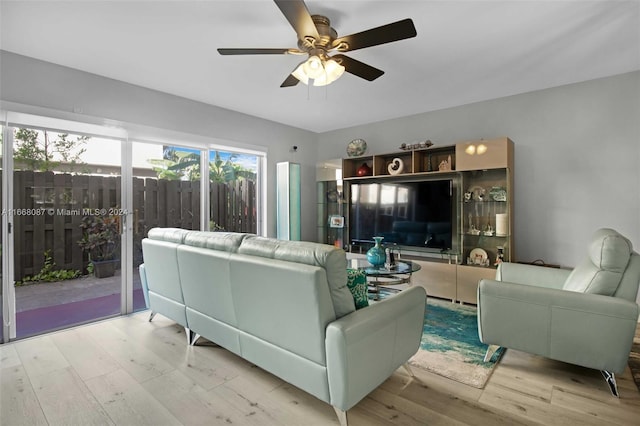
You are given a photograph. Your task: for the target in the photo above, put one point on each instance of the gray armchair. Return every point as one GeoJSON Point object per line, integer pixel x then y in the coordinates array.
{"type": "Point", "coordinates": [586, 317]}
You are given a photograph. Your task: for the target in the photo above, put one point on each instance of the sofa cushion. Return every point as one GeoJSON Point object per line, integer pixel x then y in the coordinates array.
{"type": "Point", "coordinates": [357, 283]}
{"type": "Point", "coordinates": [333, 260]}
{"type": "Point", "coordinates": [223, 241]}
{"type": "Point", "coordinates": [172, 235]}
{"type": "Point", "coordinates": [601, 272]}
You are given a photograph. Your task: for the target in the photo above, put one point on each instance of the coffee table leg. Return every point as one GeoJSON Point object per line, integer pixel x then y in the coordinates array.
{"type": "Point", "coordinates": [375, 290]}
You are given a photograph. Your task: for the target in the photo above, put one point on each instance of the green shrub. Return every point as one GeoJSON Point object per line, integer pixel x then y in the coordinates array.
{"type": "Point", "coordinates": [48, 273]}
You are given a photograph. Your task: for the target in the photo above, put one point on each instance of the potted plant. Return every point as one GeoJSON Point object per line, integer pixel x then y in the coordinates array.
{"type": "Point", "coordinates": [100, 238]}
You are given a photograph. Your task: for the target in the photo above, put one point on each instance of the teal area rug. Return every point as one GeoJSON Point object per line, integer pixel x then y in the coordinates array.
{"type": "Point", "coordinates": [450, 346]}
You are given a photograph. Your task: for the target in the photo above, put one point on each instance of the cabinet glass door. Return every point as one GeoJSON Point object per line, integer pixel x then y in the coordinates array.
{"type": "Point", "coordinates": [485, 220]}
{"type": "Point", "coordinates": [331, 220]}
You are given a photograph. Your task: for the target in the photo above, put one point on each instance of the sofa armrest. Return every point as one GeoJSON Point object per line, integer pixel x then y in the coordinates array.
{"type": "Point", "coordinates": [365, 347]}
{"type": "Point", "coordinates": [143, 283]}
{"type": "Point", "coordinates": [538, 276]}
{"type": "Point", "coordinates": [591, 330]}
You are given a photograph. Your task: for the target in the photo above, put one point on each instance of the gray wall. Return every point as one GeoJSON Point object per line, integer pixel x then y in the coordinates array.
{"type": "Point", "coordinates": [577, 147]}
{"type": "Point", "coordinates": [26, 83]}
{"type": "Point", "coordinates": [577, 158]}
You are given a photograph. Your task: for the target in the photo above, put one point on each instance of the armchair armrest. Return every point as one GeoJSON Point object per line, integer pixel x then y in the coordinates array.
{"type": "Point", "coordinates": [538, 276]}
{"type": "Point", "coordinates": [591, 330]}
{"type": "Point", "coordinates": [365, 347]}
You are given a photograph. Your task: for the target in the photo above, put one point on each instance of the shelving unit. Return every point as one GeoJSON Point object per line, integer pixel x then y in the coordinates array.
{"type": "Point", "coordinates": [415, 162]}
{"type": "Point", "coordinates": [483, 170]}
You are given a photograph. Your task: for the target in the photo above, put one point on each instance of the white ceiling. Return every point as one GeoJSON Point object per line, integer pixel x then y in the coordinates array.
{"type": "Point", "coordinates": [465, 51]}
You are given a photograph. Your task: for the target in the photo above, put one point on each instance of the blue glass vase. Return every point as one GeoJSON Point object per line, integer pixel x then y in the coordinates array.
{"type": "Point", "coordinates": [376, 255]}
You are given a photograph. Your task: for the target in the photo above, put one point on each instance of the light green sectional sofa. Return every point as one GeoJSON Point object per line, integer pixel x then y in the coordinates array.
{"type": "Point", "coordinates": [284, 306]}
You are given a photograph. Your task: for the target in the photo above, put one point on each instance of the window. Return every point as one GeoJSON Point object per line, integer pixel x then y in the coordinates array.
{"type": "Point", "coordinates": [234, 191]}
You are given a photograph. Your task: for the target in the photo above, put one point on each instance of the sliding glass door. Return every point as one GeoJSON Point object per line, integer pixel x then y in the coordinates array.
{"type": "Point", "coordinates": [4, 326]}
{"type": "Point", "coordinates": [234, 191]}
{"type": "Point", "coordinates": [67, 226]}
{"type": "Point", "coordinates": [166, 184]}
{"type": "Point", "coordinates": [78, 199]}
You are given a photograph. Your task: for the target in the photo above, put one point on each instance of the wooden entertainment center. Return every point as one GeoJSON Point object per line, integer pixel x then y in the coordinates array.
{"type": "Point", "coordinates": [481, 172]}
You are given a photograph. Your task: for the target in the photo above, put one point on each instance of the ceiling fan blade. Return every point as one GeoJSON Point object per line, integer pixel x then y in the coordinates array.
{"type": "Point", "coordinates": [290, 81]}
{"type": "Point", "coordinates": [234, 51]}
{"type": "Point", "coordinates": [358, 68]}
{"type": "Point", "coordinates": [299, 17]}
{"type": "Point", "coordinates": [395, 31]}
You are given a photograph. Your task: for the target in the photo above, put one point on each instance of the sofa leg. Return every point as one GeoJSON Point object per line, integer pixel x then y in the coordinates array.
{"type": "Point", "coordinates": [490, 351]}
{"type": "Point", "coordinates": [611, 381]}
{"type": "Point", "coordinates": [408, 369]}
{"type": "Point", "coordinates": [189, 335]}
{"type": "Point", "coordinates": [194, 338]}
{"type": "Point", "coordinates": [153, 314]}
{"type": "Point", "coordinates": [342, 416]}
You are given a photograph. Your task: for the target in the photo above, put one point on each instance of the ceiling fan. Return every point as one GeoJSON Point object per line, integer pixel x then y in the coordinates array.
{"type": "Point", "coordinates": [317, 39]}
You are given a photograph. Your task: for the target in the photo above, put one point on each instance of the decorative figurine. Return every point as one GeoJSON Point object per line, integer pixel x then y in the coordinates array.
{"type": "Point", "coordinates": [396, 166]}
{"type": "Point", "coordinates": [445, 165]}
{"type": "Point", "coordinates": [390, 260]}
{"type": "Point", "coordinates": [418, 145]}
{"type": "Point", "coordinates": [498, 193]}
{"type": "Point", "coordinates": [489, 231]}
{"type": "Point", "coordinates": [500, 256]}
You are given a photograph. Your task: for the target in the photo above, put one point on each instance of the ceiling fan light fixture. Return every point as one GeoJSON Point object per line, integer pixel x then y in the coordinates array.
{"type": "Point", "coordinates": [300, 74]}
{"type": "Point", "coordinates": [313, 67]}
{"type": "Point", "coordinates": [332, 71]}
{"type": "Point", "coordinates": [321, 71]}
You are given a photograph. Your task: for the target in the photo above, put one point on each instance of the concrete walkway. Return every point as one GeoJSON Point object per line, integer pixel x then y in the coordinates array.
{"type": "Point", "coordinates": [34, 296]}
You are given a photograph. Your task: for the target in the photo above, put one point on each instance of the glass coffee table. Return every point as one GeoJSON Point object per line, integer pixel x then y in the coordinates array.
{"type": "Point", "coordinates": [381, 277]}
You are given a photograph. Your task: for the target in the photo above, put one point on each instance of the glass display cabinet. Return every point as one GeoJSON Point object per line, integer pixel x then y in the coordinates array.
{"type": "Point", "coordinates": [485, 220]}
{"type": "Point", "coordinates": [486, 212]}
{"type": "Point", "coordinates": [330, 204]}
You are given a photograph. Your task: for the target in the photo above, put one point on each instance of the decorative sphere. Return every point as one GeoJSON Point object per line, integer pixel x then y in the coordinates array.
{"type": "Point", "coordinates": [364, 170]}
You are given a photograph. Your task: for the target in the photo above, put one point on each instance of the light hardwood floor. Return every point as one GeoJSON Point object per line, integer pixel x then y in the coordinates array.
{"type": "Point", "coordinates": [127, 371]}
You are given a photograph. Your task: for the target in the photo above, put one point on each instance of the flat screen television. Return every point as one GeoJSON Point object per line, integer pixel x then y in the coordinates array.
{"type": "Point", "coordinates": [412, 214]}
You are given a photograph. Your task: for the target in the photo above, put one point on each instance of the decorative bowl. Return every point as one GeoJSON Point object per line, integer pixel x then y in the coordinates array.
{"type": "Point", "coordinates": [356, 148]}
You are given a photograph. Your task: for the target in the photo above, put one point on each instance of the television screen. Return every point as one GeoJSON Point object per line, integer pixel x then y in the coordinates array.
{"type": "Point", "coordinates": [416, 214]}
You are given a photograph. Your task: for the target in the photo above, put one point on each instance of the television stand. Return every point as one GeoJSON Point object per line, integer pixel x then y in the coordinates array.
{"type": "Point", "coordinates": [480, 223]}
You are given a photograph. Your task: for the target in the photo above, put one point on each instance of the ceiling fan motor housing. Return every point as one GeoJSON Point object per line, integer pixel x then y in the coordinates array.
{"type": "Point", "coordinates": [326, 33]}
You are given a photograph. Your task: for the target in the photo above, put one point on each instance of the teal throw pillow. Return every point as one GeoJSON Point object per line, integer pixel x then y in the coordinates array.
{"type": "Point", "coordinates": [357, 283]}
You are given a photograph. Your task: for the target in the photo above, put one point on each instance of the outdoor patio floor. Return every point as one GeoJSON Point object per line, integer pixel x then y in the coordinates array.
{"type": "Point", "coordinates": [51, 306]}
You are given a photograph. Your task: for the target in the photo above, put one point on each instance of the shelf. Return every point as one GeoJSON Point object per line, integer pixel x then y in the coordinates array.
{"type": "Point", "coordinates": [473, 202]}
{"type": "Point", "coordinates": [428, 160]}
{"type": "Point", "coordinates": [490, 267]}
{"type": "Point", "coordinates": [467, 234]}
{"type": "Point", "coordinates": [384, 165]}
{"type": "Point", "coordinates": [351, 165]}
{"type": "Point", "coordinates": [419, 162]}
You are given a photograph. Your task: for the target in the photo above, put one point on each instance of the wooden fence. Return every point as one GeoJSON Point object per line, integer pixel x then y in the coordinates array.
{"type": "Point", "coordinates": [49, 207]}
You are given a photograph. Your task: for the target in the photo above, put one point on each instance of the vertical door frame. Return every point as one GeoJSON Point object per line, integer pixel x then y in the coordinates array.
{"type": "Point", "coordinates": [126, 238]}
{"type": "Point", "coordinates": [8, 289]}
